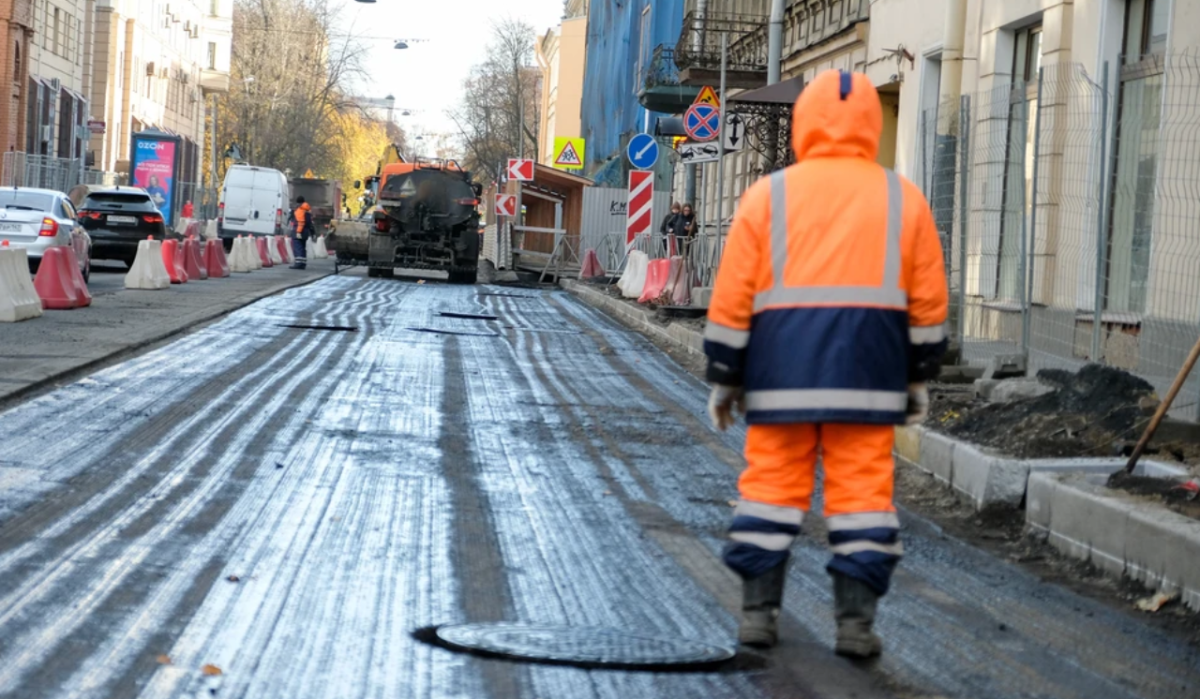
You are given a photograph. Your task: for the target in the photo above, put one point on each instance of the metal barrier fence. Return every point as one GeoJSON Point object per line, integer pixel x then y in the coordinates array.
{"type": "Point", "coordinates": [1067, 209]}
{"type": "Point", "coordinates": [45, 172]}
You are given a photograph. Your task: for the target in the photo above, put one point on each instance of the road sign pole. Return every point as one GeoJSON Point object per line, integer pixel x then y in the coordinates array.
{"type": "Point", "coordinates": [721, 149]}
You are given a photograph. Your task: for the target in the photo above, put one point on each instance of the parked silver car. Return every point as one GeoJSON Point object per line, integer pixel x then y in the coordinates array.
{"type": "Point", "coordinates": [36, 219]}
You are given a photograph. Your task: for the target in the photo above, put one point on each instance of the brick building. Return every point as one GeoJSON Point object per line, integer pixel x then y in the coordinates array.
{"type": "Point", "coordinates": [16, 31]}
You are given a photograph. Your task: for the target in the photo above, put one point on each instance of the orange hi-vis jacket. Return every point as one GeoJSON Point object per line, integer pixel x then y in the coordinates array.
{"type": "Point", "coordinates": [831, 297]}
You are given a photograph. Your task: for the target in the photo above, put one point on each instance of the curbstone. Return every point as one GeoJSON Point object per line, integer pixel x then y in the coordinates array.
{"type": "Point", "coordinates": [1039, 500]}
{"type": "Point", "coordinates": [639, 319]}
{"type": "Point", "coordinates": [1118, 533]}
{"type": "Point", "coordinates": [1087, 525]}
{"type": "Point", "coordinates": [1162, 549]}
{"type": "Point", "coordinates": [937, 455]}
{"type": "Point", "coordinates": [988, 478]}
{"type": "Point", "coordinates": [908, 443]}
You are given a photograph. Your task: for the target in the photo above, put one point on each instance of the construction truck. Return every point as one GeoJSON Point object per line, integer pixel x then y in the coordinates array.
{"type": "Point", "coordinates": [324, 196]}
{"type": "Point", "coordinates": [425, 217]}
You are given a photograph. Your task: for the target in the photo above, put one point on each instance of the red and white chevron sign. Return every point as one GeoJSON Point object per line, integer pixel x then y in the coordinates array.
{"type": "Point", "coordinates": [641, 200]}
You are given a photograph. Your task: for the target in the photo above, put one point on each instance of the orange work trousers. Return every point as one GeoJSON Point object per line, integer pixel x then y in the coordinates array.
{"type": "Point", "coordinates": [857, 460]}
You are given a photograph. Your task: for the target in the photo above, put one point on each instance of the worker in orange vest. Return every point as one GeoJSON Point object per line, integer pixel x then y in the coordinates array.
{"type": "Point", "coordinates": [302, 228]}
{"type": "Point", "coordinates": [824, 326]}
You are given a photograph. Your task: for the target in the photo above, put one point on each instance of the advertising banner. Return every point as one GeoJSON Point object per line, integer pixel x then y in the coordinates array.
{"type": "Point", "coordinates": [154, 166]}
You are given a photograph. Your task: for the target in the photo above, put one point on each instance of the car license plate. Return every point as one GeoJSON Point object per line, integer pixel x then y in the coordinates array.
{"type": "Point", "coordinates": [10, 226]}
{"type": "Point", "coordinates": [123, 220]}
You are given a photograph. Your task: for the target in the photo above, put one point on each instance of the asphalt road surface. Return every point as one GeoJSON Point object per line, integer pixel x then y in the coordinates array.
{"type": "Point", "coordinates": [286, 506]}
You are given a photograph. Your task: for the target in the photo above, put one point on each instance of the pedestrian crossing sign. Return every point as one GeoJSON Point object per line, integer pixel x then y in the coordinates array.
{"type": "Point", "coordinates": [708, 96]}
{"type": "Point", "coordinates": [569, 153]}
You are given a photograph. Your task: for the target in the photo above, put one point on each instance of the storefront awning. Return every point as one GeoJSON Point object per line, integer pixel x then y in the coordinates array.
{"type": "Point", "coordinates": [785, 92]}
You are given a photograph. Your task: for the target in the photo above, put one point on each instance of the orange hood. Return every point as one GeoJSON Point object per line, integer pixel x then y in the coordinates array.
{"type": "Point", "coordinates": [824, 125]}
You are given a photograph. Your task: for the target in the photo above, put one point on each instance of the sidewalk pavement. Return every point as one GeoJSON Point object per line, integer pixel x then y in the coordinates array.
{"type": "Point", "coordinates": [36, 352]}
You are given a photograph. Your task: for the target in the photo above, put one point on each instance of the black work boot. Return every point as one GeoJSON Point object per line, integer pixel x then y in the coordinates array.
{"type": "Point", "coordinates": [761, 599]}
{"type": "Point", "coordinates": [854, 608]}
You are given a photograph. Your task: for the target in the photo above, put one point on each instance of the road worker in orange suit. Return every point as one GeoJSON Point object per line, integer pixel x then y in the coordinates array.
{"type": "Point", "coordinates": [825, 323]}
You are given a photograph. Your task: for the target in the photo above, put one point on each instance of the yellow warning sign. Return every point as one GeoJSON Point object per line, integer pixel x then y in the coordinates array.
{"type": "Point", "coordinates": [569, 153]}
{"type": "Point", "coordinates": [708, 96]}
{"type": "Point", "coordinates": [308, 174]}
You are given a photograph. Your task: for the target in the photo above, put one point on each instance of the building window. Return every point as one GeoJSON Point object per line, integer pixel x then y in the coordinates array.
{"type": "Point", "coordinates": [56, 28]}
{"type": "Point", "coordinates": [639, 77]}
{"type": "Point", "coordinates": [1139, 112]}
{"type": "Point", "coordinates": [1018, 165]}
{"type": "Point", "coordinates": [212, 55]}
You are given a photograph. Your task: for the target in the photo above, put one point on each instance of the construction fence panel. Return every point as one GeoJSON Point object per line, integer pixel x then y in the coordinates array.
{"type": "Point", "coordinates": [1068, 214]}
{"type": "Point", "coordinates": [604, 223]}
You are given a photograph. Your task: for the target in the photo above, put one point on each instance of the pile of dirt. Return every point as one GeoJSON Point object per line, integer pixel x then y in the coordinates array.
{"type": "Point", "coordinates": [1096, 411]}
{"type": "Point", "coordinates": [1175, 495]}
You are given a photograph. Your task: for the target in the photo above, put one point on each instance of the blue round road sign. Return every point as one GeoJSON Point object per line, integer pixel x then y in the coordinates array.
{"type": "Point", "coordinates": [643, 151]}
{"type": "Point", "coordinates": [702, 122]}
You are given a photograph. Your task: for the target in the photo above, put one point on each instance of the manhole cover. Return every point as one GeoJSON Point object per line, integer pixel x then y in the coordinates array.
{"type": "Point", "coordinates": [583, 646]}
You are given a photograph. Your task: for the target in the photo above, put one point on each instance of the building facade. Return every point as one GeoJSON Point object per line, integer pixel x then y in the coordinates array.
{"type": "Point", "coordinates": [154, 64]}
{"type": "Point", "coordinates": [623, 41]}
{"type": "Point", "coordinates": [60, 63]}
{"type": "Point", "coordinates": [562, 55]}
{"type": "Point", "coordinates": [16, 33]}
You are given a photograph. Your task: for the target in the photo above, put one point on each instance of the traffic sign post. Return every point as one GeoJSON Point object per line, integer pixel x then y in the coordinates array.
{"type": "Point", "coordinates": [506, 205]}
{"type": "Point", "coordinates": [569, 153]}
{"type": "Point", "coordinates": [643, 151]}
{"type": "Point", "coordinates": [702, 122]}
{"type": "Point", "coordinates": [693, 153]}
{"type": "Point", "coordinates": [520, 169]}
{"type": "Point", "coordinates": [641, 202]}
{"type": "Point", "coordinates": [733, 136]}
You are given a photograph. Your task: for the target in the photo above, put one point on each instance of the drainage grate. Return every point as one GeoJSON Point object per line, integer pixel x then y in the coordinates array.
{"type": "Point", "coordinates": [581, 646]}
{"type": "Point", "coordinates": [331, 328]}
{"type": "Point", "coordinates": [466, 316]}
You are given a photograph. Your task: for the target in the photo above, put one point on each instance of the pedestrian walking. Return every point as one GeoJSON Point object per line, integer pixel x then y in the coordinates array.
{"type": "Point", "coordinates": [825, 323]}
{"type": "Point", "coordinates": [301, 224]}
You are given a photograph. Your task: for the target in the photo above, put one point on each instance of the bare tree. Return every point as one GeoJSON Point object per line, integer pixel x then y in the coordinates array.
{"type": "Point", "coordinates": [285, 108]}
{"type": "Point", "coordinates": [499, 114]}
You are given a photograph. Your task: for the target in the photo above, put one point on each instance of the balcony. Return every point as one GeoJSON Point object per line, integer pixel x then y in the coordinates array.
{"type": "Point", "coordinates": [661, 90]}
{"type": "Point", "coordinates": [214, 82]}
{"type": "Point", "coordinates": [698, 52]}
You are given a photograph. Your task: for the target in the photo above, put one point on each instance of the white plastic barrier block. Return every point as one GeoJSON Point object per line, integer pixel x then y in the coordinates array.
{"type": "Point", "coordinates": [252, 253]}
{"type": "Point", "coordinates": [18, 298]}
{"type": "Point", "coordinates": [148, 270]}
{"type": "Point", "coordinates": [210, 230]}
{"type": "Point", "coordinates": [237, 257]}
{"type": "Point", "coordinates": [634, 279]}
{"type": "Point", "coordinates": [287, 248]}
{"type": "Point", "coordinates": [310, 249]}
{"type": "Point", "coordinates": [273, 250]}
{"type": "Point", "coordinates": [321, 252]}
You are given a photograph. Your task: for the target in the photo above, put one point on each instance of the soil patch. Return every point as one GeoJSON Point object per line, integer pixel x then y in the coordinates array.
{"type": "Point", "coordinates": [1098, 411]}
{"type": "Point", "coordinates": [1174, 495]}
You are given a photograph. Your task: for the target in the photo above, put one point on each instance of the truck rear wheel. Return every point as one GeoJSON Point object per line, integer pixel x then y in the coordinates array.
{"type": "Point", "coordinates": [463, 277]}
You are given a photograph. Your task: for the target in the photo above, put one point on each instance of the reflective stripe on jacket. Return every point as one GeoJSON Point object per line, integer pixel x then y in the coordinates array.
{"type": "Point", "coordinates": [831, 296]}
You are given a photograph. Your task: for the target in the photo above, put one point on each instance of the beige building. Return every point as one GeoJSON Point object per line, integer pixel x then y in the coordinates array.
{"type": "Point", "coordinates": [155, 63]}
{"type": "Point", "coordinates": [562, 55]}
{"type": "Point", "coordinates": [59, 66]}
{"type": "Point", "coordinates": [1058, 142]}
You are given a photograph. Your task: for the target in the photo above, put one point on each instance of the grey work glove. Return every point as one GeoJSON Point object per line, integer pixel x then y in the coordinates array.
{"type": "Point", "coordinates": [722, 402]}
{"type": "Point", "coordinates": [918, 404]}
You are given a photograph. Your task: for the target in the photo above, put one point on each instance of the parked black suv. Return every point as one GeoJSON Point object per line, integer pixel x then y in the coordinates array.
{"type": "Point", "coordinates": [117, 219]}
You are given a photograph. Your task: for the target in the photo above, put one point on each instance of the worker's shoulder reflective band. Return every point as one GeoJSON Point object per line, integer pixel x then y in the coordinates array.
{"type": "Point", "coordinates": [862, 520]}
{"type": "Point", "coordinates": [774, 513]}
{"type": "Point", "coordinates": [888, 294]}
{"type": "Point", "coordinates": [827, 399]}
{"type": "Point", "coordinates": [927, 335]}
{"type": "Point", "coordinates": [737, 339]}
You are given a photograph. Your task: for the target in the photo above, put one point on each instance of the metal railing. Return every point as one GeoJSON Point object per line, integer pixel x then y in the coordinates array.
{"type": "Point", "coordinates": [699, 44]}
{"type": "Point", "coordinates": [1067, 212]}
{"type": "Point", "coordinates": [662, 70]}
{"type": "Point", "coordinates": [45, 172]}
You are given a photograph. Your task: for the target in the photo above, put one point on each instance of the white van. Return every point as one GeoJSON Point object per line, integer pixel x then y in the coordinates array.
{"type": "Point", "coordinates": [253, 202]}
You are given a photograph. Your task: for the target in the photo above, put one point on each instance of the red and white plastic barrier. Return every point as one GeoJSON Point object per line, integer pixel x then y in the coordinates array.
{"type": "Point", "coordinates": [59, 283]}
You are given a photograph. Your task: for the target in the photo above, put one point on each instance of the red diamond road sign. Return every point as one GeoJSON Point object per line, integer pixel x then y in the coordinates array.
{"type": "Point", "coordinates": [506, 205]}
{"type": "Point", "coordinates": [641, 200]}
{"type": "Point", "coordinates": [520, 169]}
